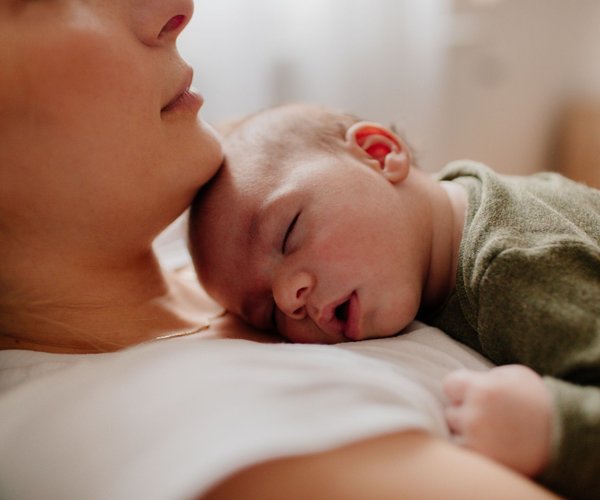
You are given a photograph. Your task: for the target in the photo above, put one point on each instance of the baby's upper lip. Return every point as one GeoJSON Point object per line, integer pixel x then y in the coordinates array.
{"type": "Point", "coordinates": [334, 317]}
{"type": "Point", "coordinates": [184, 85]}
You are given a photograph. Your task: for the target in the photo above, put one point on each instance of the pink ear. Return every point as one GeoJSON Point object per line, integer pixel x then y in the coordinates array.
{"type": "Point", "coordinates": [379, 151]}
{"type": "Point", "coordinates": [380, 148]}
{"type": "Point", "coordinates": [366, 130]}
{"type": "Point", "coordinates": [374, 140]}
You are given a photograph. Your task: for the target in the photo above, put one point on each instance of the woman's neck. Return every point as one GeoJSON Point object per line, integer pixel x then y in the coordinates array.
{"type": "Point", "coordinates": [102, 308]}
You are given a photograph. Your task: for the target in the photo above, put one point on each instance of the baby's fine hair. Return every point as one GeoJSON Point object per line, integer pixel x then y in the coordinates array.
{"type": "Point", "coordinates": [289, 126]}
{"type": "Point", "coordinates": [281, 131]}
{"type": "Point", "coordinates": [275, 133]}
{"type": "Point", "coordinates": [269, 136]}
{"type": "Point", "coordinates": [288, 129]}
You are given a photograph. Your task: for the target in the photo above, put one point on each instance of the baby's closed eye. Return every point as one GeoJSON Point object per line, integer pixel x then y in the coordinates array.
{"type": "Point", "coordinates": [288, 233]}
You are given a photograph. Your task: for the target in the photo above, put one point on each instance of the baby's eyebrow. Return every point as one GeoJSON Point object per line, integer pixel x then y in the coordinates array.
{"type": "Point", "coordinates": [257, 222]}
{"type": "Point", "coordinates": [261, 218]}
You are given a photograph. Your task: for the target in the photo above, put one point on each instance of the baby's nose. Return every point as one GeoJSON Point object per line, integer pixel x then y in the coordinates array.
{"type": "Point", "coordinates": [291, 292]}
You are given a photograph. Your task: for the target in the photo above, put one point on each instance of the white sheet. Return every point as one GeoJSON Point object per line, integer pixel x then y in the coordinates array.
{"type": "Point", "coordinates": [168, 420]}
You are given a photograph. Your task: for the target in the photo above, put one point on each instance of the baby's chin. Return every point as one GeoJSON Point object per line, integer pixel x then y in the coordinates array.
{"type": "Point", "coordinates": [398, 328]}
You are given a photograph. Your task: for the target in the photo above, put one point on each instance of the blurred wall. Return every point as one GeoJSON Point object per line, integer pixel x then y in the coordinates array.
{"type": "Point", "coordinates": [488, 80]}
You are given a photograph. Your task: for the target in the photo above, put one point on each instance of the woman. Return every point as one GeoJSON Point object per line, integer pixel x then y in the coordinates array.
{"type": "Point", "coordinates": [101, 148]}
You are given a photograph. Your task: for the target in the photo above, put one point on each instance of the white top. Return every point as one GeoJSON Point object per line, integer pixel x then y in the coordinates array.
{"type": "Point", "coordinates": [167, 420]}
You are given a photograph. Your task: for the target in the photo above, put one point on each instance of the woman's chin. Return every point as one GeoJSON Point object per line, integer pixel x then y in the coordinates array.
{"type": "Point", "coordinates": [212, 152]}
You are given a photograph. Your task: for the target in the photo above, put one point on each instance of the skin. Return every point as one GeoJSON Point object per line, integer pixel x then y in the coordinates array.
{"type": "Point", "coordinates": [95, 163]}
{"type": "Point", "coordinates": [354, 225]}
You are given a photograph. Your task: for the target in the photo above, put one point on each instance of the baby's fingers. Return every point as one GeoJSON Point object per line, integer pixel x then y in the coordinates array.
{"type": "Point", "coordinates": [455, 420]}
{"type": "Point", "coordinates": [456, 384]}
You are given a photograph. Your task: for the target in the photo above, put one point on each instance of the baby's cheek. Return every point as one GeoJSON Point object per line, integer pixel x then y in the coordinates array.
{"type": "Point", "coordinates": [335, 248]}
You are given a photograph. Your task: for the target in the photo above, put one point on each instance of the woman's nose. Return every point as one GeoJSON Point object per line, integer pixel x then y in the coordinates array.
{"type": "Point", "coordinates": [159, 22]}
{"type": "Point", "coordinates": [291, 292]}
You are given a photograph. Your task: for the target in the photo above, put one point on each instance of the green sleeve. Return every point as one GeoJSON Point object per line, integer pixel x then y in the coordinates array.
{"type": "Point", "coordinates": [541, 308]}
{"type": "Point", "coordinates": [574, 469]}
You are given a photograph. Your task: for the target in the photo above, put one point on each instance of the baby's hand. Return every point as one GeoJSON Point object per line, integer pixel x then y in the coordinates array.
{"type": "Point", "coordinates": [505, 414]}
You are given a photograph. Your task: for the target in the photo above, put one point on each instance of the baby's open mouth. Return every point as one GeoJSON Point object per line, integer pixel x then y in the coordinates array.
{"type": "Point", "coordinates": [339, 319]}
{"type": "Point", "coordinates": [341, 311]}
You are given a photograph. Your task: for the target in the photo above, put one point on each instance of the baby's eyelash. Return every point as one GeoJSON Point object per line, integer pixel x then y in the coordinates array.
{"type": "Point", "coordinates": [289, 232]}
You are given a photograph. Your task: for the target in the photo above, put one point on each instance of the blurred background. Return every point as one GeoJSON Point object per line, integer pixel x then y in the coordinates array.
{"type": "Point", "coordinates": [512, 83]}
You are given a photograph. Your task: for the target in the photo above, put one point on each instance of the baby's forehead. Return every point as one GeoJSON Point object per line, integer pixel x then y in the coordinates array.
{"type": "Point", "coordinates": [219, 222]}
{"type": "Point", "coordinates": [253, 172]}
{"type": "Point", "coordinates": [234, 196]}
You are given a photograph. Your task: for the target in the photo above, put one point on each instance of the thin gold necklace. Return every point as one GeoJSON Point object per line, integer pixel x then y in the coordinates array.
{"type": "Point", "coordinates": [185, 333]}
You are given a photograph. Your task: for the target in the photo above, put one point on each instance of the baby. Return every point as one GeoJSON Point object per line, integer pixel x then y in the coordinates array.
{"type": "Point", "coordinates": [320, 227]}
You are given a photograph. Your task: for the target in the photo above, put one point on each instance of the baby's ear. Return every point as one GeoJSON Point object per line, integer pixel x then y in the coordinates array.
{"type": "Point", "coordinates": [381, 149]}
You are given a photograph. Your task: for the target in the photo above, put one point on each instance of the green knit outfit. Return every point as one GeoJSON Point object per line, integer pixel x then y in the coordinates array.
{"type": "Point", "coordinates": [528, 292]}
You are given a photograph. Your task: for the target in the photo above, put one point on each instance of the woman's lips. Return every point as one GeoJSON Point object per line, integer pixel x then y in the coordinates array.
{"type": "Point", "coordinates": [185, 99]}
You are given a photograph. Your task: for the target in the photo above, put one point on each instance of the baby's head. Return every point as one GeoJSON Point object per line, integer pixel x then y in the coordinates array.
{"type": "Point", "coordinates": [312, 226]}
